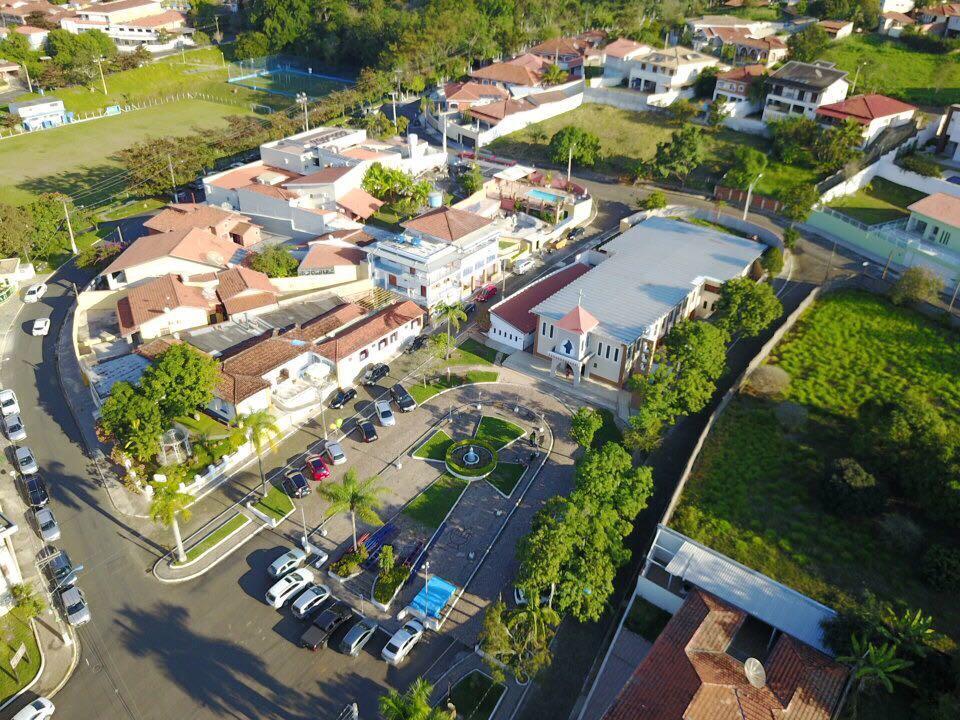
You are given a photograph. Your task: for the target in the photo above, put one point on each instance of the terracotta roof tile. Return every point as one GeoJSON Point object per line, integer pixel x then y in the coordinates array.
{"type": "Point", "coordinates": [621, 47]}
{"type": "Point", "coordinates": [323, 176]}
{"type": "Point", "coordinates": [370, 330]}
{"type": "Point", "coordinates": [195, 244]}
{"type": "Point", "coordinates": [322, 325]}
{"type": "Point", "coordinates": [864, 108]}
{"type": "Point", "coordinates": [473, 91]}
{"type": "Point", "coordinates": [360, 203]}
{"type": "Point", "coordinates": [183, 216]}
{"type": "Point", "coordinates": [237, 280]}
{"type": "Point", "coordinates": [744, 73]}
{"type": "Point", "coordinates": [446, 223]}
{"type": "Point", "coordinates": [516, 309]}
{"type": "Point", "coordinates": [524, 70]}
{"type": "Point", "coordinates": [899, 17]}
{"type": "Point", "coordinates": [324, 255]}
{"type": "Point", "coordinates": [939, 206]}
{"type": "Point", "coordinates": [153, 299]}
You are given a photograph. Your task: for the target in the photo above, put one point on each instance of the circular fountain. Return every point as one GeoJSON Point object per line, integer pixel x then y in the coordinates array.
{"type": "Point", "coordinates": [470, 459]}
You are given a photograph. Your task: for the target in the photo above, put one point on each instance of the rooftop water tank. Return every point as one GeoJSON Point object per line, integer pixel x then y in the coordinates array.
{"type": "Point", "coordinates": [435, 199]}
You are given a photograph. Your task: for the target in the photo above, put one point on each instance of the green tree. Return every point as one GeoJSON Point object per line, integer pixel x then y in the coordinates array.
{"type": "Point", "coordinates": [838, 146]}
{"type": "Point", "coordinates": [772, 261]}
{"type": "Point", "coordinates": [682, 111]}
{"type": "Point", "coordinates": [180, 381]}
{"type": "Point", "coordinates": [453, 315]}
{"type": "Point", "coordinates": [746, 308]}
{"type": "Point", "coordinates": [584, 425]}
{"type": "Point", "coordinates": [15, 236]}
{"type": "Point", "coordinates": [275, 262]}
{"type": "Point", "coordinates": [283, 22]}
{"type": "Point", "coordinates": [680, 155]}
{"type": "Point", "coordinates": [133, 420]}
{"type": "Point", "coordinates": [251, 45]}
{"type": "Point", "coordinates": [167, 503]}
{"type": "Point", "coordinates": [607, 477]}
{"type": "Point", "coordinates": [554, 75]}
{"type": "Point", "coordinates": [584, 146]}
{"type": "Point", "coordinates": [706, 82]}
{"type": "Point", "coordinates": [916, 284]}
{"type": "Point", "coordinates": [808, 44]}
{"type": "Point", "coordinates": [262, 430]}
{"type": "Point", "coordinates": [26, 601]}
{"type": "Point", "coordinates": [790, 237]}
{"type": "Point", "coordinates": [518, 639]}
{"type": "Point", "coordinates": [798, 200]}
{"type": "Point", "coordinates": [795, 139]}
{"type": "Point", "coordinates": [657, 408]}
{"type": "Point", "coordinates": [414, 704]}
{"type": "Point", "coordinates": [472, 180]}
{"type": "Point", "coordinates": [716, 114]}
{"type": "Point", "coordinates": [748, 163]}
{"type": "Point", "coordinates": [696, 353]}
{"type": "Point", "coordinates": [360, 499]}
{"type": "Point", "coordinates": [148, 163]}
{"type": "Point", "coordinates": [874, 667]}
{"type": "Point", "coordinates": [911, 631]}
{"type": "Point", "coordinates": [656, 200]}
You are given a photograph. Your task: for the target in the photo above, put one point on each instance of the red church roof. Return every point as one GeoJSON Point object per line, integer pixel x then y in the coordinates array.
{"type": "Point", "coordinates": [578, 320]}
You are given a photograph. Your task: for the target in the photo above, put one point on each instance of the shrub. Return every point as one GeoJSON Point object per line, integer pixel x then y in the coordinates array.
{"type": "Point", "coordinates": [920, 164]}
{"type": "Point", "coordinates": [350, 562]}
{"type": "Point", "coordinates": [772, 261]}
{"type": "Point", "coordinates": [790, 237]}
{"type": "Point", "coordinates": [275, 262]}
{"type": "Point", "coordinates": [940, 568]}
{"type": "Point", "coordinates": [656, 200]}
{"type": "Point", "coordinates": [902, 532]}
{"type": "Point", "coordinates": [769, 381]}
{"type": "Point", "coordinates": [850, 490]}
{"type": "Point", "coordinates": [917, 284]}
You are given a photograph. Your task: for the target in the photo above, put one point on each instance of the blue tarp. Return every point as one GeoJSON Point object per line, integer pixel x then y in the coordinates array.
{"type": "Point", "coordinates": [431, 604]}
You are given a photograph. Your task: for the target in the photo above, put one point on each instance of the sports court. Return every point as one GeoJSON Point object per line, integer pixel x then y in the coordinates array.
{"type": "Point", "coordinates": [284, 76]}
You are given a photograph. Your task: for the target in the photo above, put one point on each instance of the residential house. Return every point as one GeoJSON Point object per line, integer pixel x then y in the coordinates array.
{"type": "Point", "coordinates": [740, 45]}
{"type": "Point", "coordinates": [936, 220]}
{"type": "Point", "coordinates": [948, 136]}
{"type": "Point", "coordinates": [460, 96]}
{"type": "Point", "coordinates": [568, 52]}
{"type": "Point", "coordinates": [183, 252]}
{"type": "Point", "coordinates": [615, 59]}
{"type": "Point", "coordinates": [607, 324]}
{"type": "Point", "coordinates": [837, 29]}
{"type": "Point", "coordinates": [9, 73]}
{"type": "Point", "coordinates": [893, 23]}
{"type": "Point", "coordinates": [669, 73]}
{"type": "Point", "coordinates": [36, 37]}
{"type": "Point", "coordinates": [443, 255]}
{"type": "Point", "coordinates": [944, 17]}
{"type": "Point", "coordinates": [243, 291]}
{"type": "Point", "coordinates": [489, 121]}
{"type": "Point", "coordinates": [162, 306]}
{"type": "Point", "coordinates": [330, 258]}
{"type": "Point", "coordinates": [132, 24]}
{"type": "Point", "coordinates": [520, 76]}
{"type": "Point", "coordinates": [738, 644]}
{"type": "Point", "coordinates": [16, 12]}
{"type": "Point", "coordinates": [873, 112]}
{"type": "Point", "coordinates": [735, 88]}
{"type": "Point", "coordinates": [898, 6]}
{"type": "Point", "coordinates": [800, 88]}
{"type": "Point", "coordinates": [225, 224]}
{"type": "Point", "coordinates": [39, 113]}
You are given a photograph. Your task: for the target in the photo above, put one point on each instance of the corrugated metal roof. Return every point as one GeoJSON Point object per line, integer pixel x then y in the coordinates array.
{"type": "Point", "coordinates": [651, 268]}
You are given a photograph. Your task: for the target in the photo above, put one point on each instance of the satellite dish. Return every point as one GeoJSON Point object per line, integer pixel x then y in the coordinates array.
{"type": "Point", "coordinates": [755, 673]}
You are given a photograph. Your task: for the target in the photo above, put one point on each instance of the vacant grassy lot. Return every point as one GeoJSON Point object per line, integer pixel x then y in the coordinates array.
{"type": "Point", "coordinates": [76, 160]}
{"type": "Point", "coordinates": [498, 433]}
{"type": "Point", "coordinates": [432, 505]}
{"type": "Point", "coordinates": [891, 68]}
{"type": "Point", "coordinates": [879, 202]}
{"type": "Point", "coordinates": [627, 137]}
{"type": "Point", "coordinates": [217, 536]}
{"type": "Point", "coordinates": [435, 448]}
{"type": "Point", "coordinates": [753, 492]}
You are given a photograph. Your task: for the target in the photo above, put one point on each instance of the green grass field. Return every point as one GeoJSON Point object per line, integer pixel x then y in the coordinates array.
{"type": "Point", "coordinates": [422, 392]}
{"type": "Point", "coordinates": [753, 494]}
{"type": "Point", "coordinates": [277, 504]}
{"type": "Point", "coordinates": [893, 69]}
{"type": "Point", "coordinates": [627, 137]}
{"type": "Point", "coordinates": [16, 631]}
{"type": "Point", "coordinates": [470, 352]}
{"type": "Point", "coordinates": [284, 83]}
{"type": "Point", "coordinates": [217, 536]}
{"type": "Point", "coordinates": [506, 476]}
{"type": "Point", "coordinates": [435, 448]}
{"type": "Point", "coordinates": [432, 505]}
{"type": "Point", "coordinates": [881, 201]}
{"type": "Point", "coordinates": [76, 160]}
{"type": "Point", "coordinates": [498, 433]}
{"type": "Point", "coordinates": [476, 696]}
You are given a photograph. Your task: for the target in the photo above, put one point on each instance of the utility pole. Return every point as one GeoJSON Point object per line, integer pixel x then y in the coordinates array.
{"type": "Point", "coordinates": [173, 180]}
{"type": "Point", "coordinates": [746, 205]}
{"type": "Point", "coordinates": [886, 266]}
{"type": "Point", "coordinates": [302, 99]}
{"type": "Point", "coordinates": [393, 105]}
{"type": "Point", "coordinates": [216, 35]}
{"type": "Point", "coordinates": [103, 82]}
{"type": "Point", "coordinates": [569, 162]}
{"type": "Point", "coordinates": [830, 263]}
{"type": "Point", "coordinates": [856, 76]}
{"type": "Point", "coordinates": [29, 81]}
{"type": "Point", "coordinates": [66, 214]}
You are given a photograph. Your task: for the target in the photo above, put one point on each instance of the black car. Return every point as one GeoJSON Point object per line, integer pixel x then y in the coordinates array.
{"type": "Point", "coordinates": [469, 307]}
{"type": "Point", "coordinates": [402, 398]}
{"type": "Point", "coordinates": [376, 373]}
{"type": "Point", "coordinates": [58, 567]}
{"type": "Point", "coordinates": [295, 484]}
{"type": "Point", "coordinates": [36, 490]}
{"type": "Point", "coordinates": [325, 624]}
{"type": "Point", "coordinates": [368, 433]}
{"type": "Point", "coordinates": [342, 397]}
{"type": "Point", "coordinates": [576, 233]}
{"type": "Point", "coordinates": [418, 342]}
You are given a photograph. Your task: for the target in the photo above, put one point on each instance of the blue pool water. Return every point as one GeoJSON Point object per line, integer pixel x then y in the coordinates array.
{"type": "Point", "coordinates": [545, 196]}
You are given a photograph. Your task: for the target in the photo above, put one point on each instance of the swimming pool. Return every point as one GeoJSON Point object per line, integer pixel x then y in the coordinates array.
{"type": "Point", "coordinates": [545, 196]}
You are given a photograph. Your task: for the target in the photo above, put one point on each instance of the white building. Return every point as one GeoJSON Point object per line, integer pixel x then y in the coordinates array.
{"type": "Point", "coordinates": [899, 6]}
{"type": "Point", "coordinates": [37, 37]}
{"type": "Point", "coordinates": [875, 113]}
{"type": "Point", "coordinates": [668, 73]}
{"type": "Point", "coordinates": [948, 138]}
{"type": "Point", "coordinates": [39, 113]}
{"type": "Point", "coordinates": [800, 88]}
{"type": "Point", "coordinates": [443, 255]}
{"type": "Point", "coordinates": [132, 23]}
{"type": "Point", "coordinates": [734, 89]}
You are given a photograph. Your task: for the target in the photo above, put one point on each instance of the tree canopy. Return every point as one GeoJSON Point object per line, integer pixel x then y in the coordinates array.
{"type": "Point", "coordinates": [275, 262]}
{"type": "Point", "coordinates": [680, 155]}
{"type": "Point", "coordinates": [585, 146]}
{"type": "Point", "coordinates": [808, 44]}
{"type": "Point", "coordinates": [584, 425]}
{"type": "Point", "coordinates": [747, 308]}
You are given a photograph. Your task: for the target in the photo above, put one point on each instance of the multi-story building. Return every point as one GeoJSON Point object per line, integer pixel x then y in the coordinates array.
{"type": "Point", "coordinates": [669, 71]}
{"type": "Point", "coordinates": [615, 59]}
{"type": "Point", "coordinates": [441, 256]}
{"type": "Point", "coordinates": [133, 23]}
{"type": "Point", "coordinates": [735, 89]}
{"type": "Point", "coordinates": [800, 88]}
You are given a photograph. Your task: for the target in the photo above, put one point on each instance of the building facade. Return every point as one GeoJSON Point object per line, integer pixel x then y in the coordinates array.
{"type": "Point", "coordinates": [798, 89]}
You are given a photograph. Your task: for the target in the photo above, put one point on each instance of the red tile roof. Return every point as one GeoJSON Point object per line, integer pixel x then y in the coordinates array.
{"type": "Point", "coordinates": [242, 289]}
{"type": "Point", "coordinates": [195, 244]}
{"type": "Point", "coordinates": [370, 330]}
{"type": "Point", "coordinates": [154, 299]}
{"type": "Point", "coordinates": [744, 73]}
{"type": "Point", "coordinates": [516, 309]}
{"type": "Point", "coordinates": [446, 223]}
{"type": "Point", "coordinates": [899, 17]}
{"type": "Point", "coordinates": [578, 320]}
{"type": "Point", "coordinates": [183, 216]}
{"type": "Point", "coordinates": [169, 17]}
{"type": "Point", "coordinates": [322, 325]}
{"type": "Point", "coordinates": [359, 203]}
{"type": "Point", "coordinates": [323, 255]}
{"type": "Point", "coordinates": [274, 191]}
{"type": "Point", "coordinates": [357, 236]}
{"type": "Point", "coordinates": [834, 26]}
{"type": "Point", "coordinates": [939, 206]}
{"type": "Point", "coordinates": [561, 46]}
{"type": "Point", "coordinates": [496, 111]}
{"type": "Point", "coordinates": [947, 10]}
{"type": "Point", "coordinates": [524, 70]}
{"type": "Point", "coordinates": [243, 176]}
{"type": "Point", "coordinates": [473, 91]}
{"type": "Point", "coordinates": [323, 176]}
{"type": "Point", "coordinates": [688, 675]}
{"type": "Point", "coordinates": [864, 108]}
{"type": "Point", "coordinates": [621, 47]}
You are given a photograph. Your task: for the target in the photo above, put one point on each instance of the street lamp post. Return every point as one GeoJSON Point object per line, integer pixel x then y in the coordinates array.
{"type": "Point", "coordinates": [103, 82]}
{"type": "Point", "coordinates": [746, 205]}
{"type": "Point", "coordinates": [426, 589]}
{"type": "Point", "coordinates": [302, 100]}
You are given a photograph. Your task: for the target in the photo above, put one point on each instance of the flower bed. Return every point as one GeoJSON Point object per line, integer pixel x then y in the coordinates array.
{"type": "Point", "coordinates": [459, 469]}
{"type": "Point", "coordinates": [349, 564]}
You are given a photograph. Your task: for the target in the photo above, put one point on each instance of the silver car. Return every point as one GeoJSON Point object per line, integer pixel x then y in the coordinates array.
{"type": "Point", "coordinates": [75, 606]}
{"type": "Point", "coordinates": [290, 560]}
{"type": "Point", "coordinates": [310, 600]}
{"type": "Point", "coordinates": [358, 636]}
{"type": "Point", "coordinates": [333, 453]}
{"type": "Point", "coordinates": [47, 525]}
{"type": "Point", "coordinates": [26, 462]}
{"type": "Point", "coordinates": [13, 426]}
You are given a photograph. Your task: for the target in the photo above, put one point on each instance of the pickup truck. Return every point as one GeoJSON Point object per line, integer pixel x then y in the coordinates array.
{"type": "Point", "coordinates": [324, 625]}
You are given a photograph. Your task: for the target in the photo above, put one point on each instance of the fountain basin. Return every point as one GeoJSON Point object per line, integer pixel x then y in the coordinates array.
{"type": "Point", "coordinates": [470, 459]}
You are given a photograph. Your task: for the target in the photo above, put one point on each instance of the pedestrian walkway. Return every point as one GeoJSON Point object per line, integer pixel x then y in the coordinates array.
{"type": "Point", "coordinates": [626, 654]}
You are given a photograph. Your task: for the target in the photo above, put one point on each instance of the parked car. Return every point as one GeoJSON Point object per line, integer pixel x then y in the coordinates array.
{"type": "Point", "coordinates": [36, 489]}
{"type": "Point", "coordinates": [35, 292]}
{"type": "Point", "coordinates": [358, 636]}
{"type": "Point", "coordinates": [8, 403]}
{"type": "Point", "coordinates": [290, 560]}
{"type": "Point", "coordinates": [375, 373]}
{"type": "Point", "coordinates": [368, 433]}
{"type": "Point", "coordinates": [26, 462]}
{"type": "Point", "coordinates": [75, 606]}
{"type": "Point", "coordinates": [286, 587]}
{"type": "Point", "coordinates": [316, 468]}
{"type": "Point", "coordinates": [295, 484]}
{"type": "Point", "coordinates": [39, 709]}
{"type": "Point", "coordinates": [310, 600]}
{"type": "Point", "coordinates": [59, 568]}
{"type": "Point", "coordinates": [384, 413]}
{"type": "Point", "coordinates": [522, 266]}
{"type": "Point", "coordinates": [47, 525]}
{"type": "Point", "coordinates": [342, 397]}
{"type": "Point", "coordinates": [402, 642]}
{"type": "Point", "coordinates": [41, 326]}
{"type": "Point", "coordinates": [402, 398]}
{"type": "Point", "coordinates": [558, 244]}
{"type": "Point", "coordinates": [320, 558]}
{"type": "Point", "coordinates": [333, 453]}
{"type": "Point", "coordinates": [13, 426]}
{"type": "Point", "coordinates": [418, 342]}
{"type": "Point", "coordinates": [325, 624]}
{"type": "Point", "coordinates": [470, 307]}
{"type": "Point", "coordinates": [487, 292]}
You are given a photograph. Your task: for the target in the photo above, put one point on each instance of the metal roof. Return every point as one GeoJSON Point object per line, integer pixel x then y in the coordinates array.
{"type": "Point", "coordinates": [126, 368]}
{"type": "Point", "coordinates": [649, 270]}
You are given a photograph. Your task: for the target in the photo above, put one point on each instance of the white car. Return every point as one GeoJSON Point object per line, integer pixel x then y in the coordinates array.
{"type": "Point", "coordinates": [26, 462]}
{"type": "Point", "coordinates": [39, 709]}
{"type": "Point", "coordinates": [41, 326]}
{"type": "Point", "coordinates": [35, 292]}
{"type": "Point", "coordinates": [309, 600]}
{"type": "Point", "coordinates": [288, 586]}
{"type": "Point", "coordinates": [8, 403]}
{"type": "Point", "coordinates": [520, 267]}
{"type": "Point", "coordinates": [385, 414]}
{"type": "Point", "coordinates": [285, 563]}
{"type": "Point", "coordinates": [402, 642]}
{"type": "Point", "coordinates": [47, 525]}
{"type": "Point", "coordinates": [13, 426]}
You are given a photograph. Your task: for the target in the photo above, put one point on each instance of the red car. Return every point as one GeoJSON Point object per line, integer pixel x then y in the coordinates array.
{"type": "Point", "coordinates": [487, 292]}
{"type": "Point", "coordinates": [316, 468]}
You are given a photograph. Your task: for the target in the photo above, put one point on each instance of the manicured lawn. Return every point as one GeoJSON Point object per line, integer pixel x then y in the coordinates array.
{"type": "Point", "coordinates": [421, 392]}
{"type": "Point", "coordinates": [432, 505]}
{"type": "Point", "coordinates": [627, 137]}
{"type": "Point", "coordinates": [76, 160]}
{"type": "Point", "coordinates": [609, 431]}
{"type": "Point", "coordinates": [498, 433]}
{"type": "Point", "coordinates": [506, 476]}
{"type": "Point", "coordinates": [14, 632]}
{"type": "Point", "coordinates": [646, 619]}
{"type": "Point", "coordinates": [205, 425]}
{"type": "Point", "coordinates": [277, 504]}
{"type": "Point", "coordinates": [475, 696]}
{"type": "Point", "coordinates": [893, 69]}
{"type": "Point", "coordinates": [470, 352]}
{"type": "Point", "coordinates": [435, 448]}
{"type": "Point", "coordinates": [753, 493]}
{"type": "Point", "coordinates": [217, 536]}
{"type": "Point", "coordinates": [879, 202]}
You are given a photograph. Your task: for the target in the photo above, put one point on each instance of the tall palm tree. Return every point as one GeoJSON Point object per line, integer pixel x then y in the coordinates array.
{"type": "Point", "coordinates": [168, 502]}
{"type": "Point", "coordinates": [414, 704]}
{"type": "Point", "coordinates": [360, 499]}
{"type": "Point", "coordinates": [453, 314]}
{"type": "Point", "coordinates": [262, 430]}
